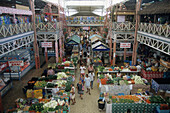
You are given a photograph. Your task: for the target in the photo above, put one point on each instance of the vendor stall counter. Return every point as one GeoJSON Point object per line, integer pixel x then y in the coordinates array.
{"type": "Point", "coordinates": [5, 85]}
{"type": "Point", "coordinates": [15, 71]}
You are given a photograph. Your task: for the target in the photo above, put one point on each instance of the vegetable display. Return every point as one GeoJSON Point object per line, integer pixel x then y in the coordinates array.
{"type": "Point", "coordinates": [61, 75]}
{"type": "Point", "coordinates": [40, 84]}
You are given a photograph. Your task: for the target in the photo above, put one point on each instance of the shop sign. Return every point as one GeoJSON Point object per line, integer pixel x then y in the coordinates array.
{"type": "Point", "coordinates": [16, 63]}
{"type": "Point", "coordinates": [46, 44]}
{"type": "Point", "coordinates": [3, 66]}
{"type": "Point", "coordinates": [125, 45]}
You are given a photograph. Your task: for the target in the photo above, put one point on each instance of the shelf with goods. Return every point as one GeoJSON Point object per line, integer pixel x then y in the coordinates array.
{"type": "Point", "coordinates": [25, 57]}
{"type": "Point", "coordinates": [5, 85]}
{"type": "Point", "coordinates": [85, 20]}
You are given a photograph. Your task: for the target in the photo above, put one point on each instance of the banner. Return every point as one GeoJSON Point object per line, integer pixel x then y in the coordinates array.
{"type": "Point", "coordinates": [16, 63]}
{"type": "Point", "coordinates": [46, 44]}
{"type": "Point", "coordinates": [14, 11]}
{"type": "Point", "coordinates": [125, 45]}
{"type": "Point", "coordinates": [3, 66]}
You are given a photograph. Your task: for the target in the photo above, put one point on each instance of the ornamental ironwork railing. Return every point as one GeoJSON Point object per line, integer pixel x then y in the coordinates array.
{"type": "Point", "coordinates": [47, 27]}
{"type": "Point", "coordinates": [156, 29]}
{"type": "Point", "coordinates": [85, 21]}
{"type": "Point", "coordinates": [14, 29]}
{"type": "Point", "coordinates": [123, 26]}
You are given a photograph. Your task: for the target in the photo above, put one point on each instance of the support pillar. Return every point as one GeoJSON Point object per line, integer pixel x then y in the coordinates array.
{"type": "Point", "coordinates": [125, 53]}
{"type": "Point", "coordinates": [37, 58]}
{"type": "Point", "coordinates": [110, 49]}
{"type": "Point", "coordinates": [138, 5]}
{"type": "Point", "coordinates": [114, 50]}
{"type": "Point", "coordinates": [14, 19]}
{"type": "Point", "coordinates": [60, 43]}
{"type": "Point", "coordinates": [56, 48]}
{"type": "Point", "coordinates": [46, 55]}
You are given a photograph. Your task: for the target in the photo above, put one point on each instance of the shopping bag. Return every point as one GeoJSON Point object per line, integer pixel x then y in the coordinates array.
{"type": "Point", "coordinates": [83, 88]}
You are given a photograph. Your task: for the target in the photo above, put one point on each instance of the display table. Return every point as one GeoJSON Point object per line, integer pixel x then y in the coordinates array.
{"type": "Point", "coordinates": [120, 72]}
{"type": "Point", "coordinates": [115, 89]}
{"type": "Point", "coordinates": [151, 74]}
{"type": "Point", "coordinates": [161, 83]}
{"type": "Point", "coordinates": [6, 88]}
{"type": "Point", "coordinates": [108, 108]}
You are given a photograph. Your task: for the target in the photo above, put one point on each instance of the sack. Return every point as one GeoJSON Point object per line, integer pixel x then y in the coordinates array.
{"type": "Point", "coordinates": [83, 88]}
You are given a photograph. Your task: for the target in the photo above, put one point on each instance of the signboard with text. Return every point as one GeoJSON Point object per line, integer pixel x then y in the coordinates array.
{"type": "Point", "coordinates": [3, 66]}
{"type": "Point", "coordinates": [16, 63]}
{"type": "Point", "coordinates": [46, 44]}
{"type": "Point", "coordinates": [125, 45]}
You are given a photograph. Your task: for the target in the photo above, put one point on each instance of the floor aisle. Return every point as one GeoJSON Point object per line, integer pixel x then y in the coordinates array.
{"type": "Point", "coordinates": [89, 103]}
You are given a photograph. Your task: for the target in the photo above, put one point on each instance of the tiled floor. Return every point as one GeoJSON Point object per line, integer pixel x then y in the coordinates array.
{"type": "Point", "coordinates": [89, 103]}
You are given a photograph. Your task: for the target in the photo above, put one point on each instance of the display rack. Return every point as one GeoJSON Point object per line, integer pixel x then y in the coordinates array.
{"type": "Point", "coordinates": [16, 72]}
{"type": "Point", "coordinates": [5, 85]}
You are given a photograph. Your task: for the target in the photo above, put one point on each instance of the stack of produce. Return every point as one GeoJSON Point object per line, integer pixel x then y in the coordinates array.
{"type": "Point", "coordinates": [125, 99]}
{"type": "Point", "coordinates": [61, 75]}
{"type": "Point", "coordinates": [137, 79]}
{"type": "Point", "coordinates": [40, 84]}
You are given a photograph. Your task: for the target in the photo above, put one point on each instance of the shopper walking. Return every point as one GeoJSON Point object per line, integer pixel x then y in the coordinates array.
{"type": "Point", "coordinates": [92, 77]}
{"type": "Point", "coordinates": [90, 68]}
{"type": "Point", "coordinates": [82, 78]}
{"type": "Point", "coordinates": [88, 61]}
{"type": "Point", "coordinates": [72, 96]}
{"type": "Point", "coordinates": [87, 82]}
{"type": "Point", "coordinates": [80, 89]}
{"type": "Point", "coordinates": [82, 69]}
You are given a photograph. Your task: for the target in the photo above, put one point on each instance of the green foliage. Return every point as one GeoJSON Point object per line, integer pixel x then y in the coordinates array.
{"type": "Point", "coordinates": [36, 107]}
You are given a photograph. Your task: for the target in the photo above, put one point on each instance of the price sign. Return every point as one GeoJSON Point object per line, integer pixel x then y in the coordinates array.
{"type": "Point", "coordinates": [46, 44]}
{"type": "Point", "coordinates": [125, 45]}
{"type": "Point", "coordinates": [16, 63]}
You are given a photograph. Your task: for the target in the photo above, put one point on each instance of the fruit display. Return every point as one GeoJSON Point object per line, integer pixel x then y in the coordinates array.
{"type": "Point", "coordinates": [40, 84]}
{"type": "Point", "coordinates": [125, 99]}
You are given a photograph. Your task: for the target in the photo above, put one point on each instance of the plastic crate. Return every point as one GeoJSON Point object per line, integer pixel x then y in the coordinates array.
{"type": "Point", "coordinates": [161, 111]}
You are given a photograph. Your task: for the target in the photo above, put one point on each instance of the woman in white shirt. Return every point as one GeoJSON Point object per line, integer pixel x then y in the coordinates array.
{"type": "Point", "coordinates": [91, 75]}
{"type": "Point", "coordinates": [118, 74]}
{"type": "Point", "coordinates": [82, 69]}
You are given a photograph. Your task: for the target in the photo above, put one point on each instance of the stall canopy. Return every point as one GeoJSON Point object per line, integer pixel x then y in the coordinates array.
{"type": "Point", "coordinates": [94, 39]}
{"type": "Point", "coordinates": [99, 46]}
{"type": "Point", "coordinates": [95, 35]}
{"type": "Point", "coordinates": [74, 40]}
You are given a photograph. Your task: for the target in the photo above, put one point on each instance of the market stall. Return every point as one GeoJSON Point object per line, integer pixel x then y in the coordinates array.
{"type": "Point", "coordinates": [95, 35]}
{"type": "Point", "coordinates": [134, 103]}
{"type": "Point", "coordinates": [40, 97]}
{"type": "Point", "coordinates": [74, 40]}
{"type": "Point", "coordinates": [128, 83]}
{"type": "Point", "coordinates": [20, 62]}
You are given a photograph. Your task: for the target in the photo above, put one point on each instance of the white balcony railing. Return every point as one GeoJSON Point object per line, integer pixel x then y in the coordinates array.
{"type": "Point", "coordinates": [14, 29]}
{"type": "Point", "coordinates": [123, 26]}
{"type": "Point", "coordinates": [156, 29]}
{"type": "Point", "coordinates": [85, 21]}
{"type": "Point", "coordinates": [44, 27]}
